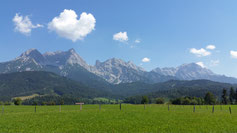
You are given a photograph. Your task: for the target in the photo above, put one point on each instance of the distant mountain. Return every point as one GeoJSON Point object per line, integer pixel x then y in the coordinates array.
{"type": "Point", "coordinates": [44, 83]}
{"type": "Point", "coordinates": [115, 71]}
{"type": "Point", "coordinates": [118, 71]}
{"type": "Point", "coordinates": [193, 71]}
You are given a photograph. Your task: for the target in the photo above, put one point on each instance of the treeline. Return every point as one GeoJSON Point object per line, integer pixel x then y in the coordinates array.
{"type": "Point", "coordinates": [144, 99]}
{"type": "Point", "coordinates": [59, 100]}
{"type": "Point", "coordinates": [208, 99]}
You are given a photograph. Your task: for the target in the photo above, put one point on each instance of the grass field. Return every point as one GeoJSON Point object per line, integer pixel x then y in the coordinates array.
{"type": "Point", "coordinates": [132, 118]}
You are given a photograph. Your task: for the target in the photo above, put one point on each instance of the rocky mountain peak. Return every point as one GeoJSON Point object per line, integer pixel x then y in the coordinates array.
{"type": "Point", "coordinates": [30, 52]}
{"type": "Point", "coordinates": [190, 65]}
{"type": "Point", "coordinates": [186, 71]}
{"type": "Point", "coordinates": [60, 58]}
{"type": "Point", "coordinates": [33, 54]}
{"type": "Point", "coordinates": [72, 50]}
{"type": "Point", "coordinates": [115, 62]}
{"type": "Point", "coordinates": [194, 67]}
{"type": "Point", "coordinates": [97, 63]}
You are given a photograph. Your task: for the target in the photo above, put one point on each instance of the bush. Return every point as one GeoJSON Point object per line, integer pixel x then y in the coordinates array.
{"type": "Point", "coordinates": [51, 103]}
{"type": "Point", "coordinates": [193, 102]}
{"type": "Point", "coordinates": [145, 100]}
{"type": "Point", "coordinates": [160, 101]}
{"type": "Point", "coordinates": [61, 102]}
{"type": "Point", "coordinates": [188, 101]}
{"type": "Point", "coordinates": [43, 103]}
{"type": "Point", "coordinates": [7, 103]}
{"type": "Point", "coordinates": [35, 103]}
{"type": "Point", "coordinates": [17, 101]}
{"type": "Point", "coordinates": [177, 101]}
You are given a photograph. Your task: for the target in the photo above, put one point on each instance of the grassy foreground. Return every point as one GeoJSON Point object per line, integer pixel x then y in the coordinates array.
{"type": "Point", "coordinates": [132, 118]}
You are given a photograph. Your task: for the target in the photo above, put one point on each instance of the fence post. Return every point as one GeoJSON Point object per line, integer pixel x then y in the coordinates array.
{"type": "Point", "coordinates": [2, 109]}
{"type": "Point", "coordinates": [230, 109]}
{"type": "Point", "coordinates": [213, 109]}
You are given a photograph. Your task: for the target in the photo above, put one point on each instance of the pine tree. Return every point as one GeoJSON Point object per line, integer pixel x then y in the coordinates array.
{"type": "Point", "coordinates": [145, 100]}
{"type": "Point", "coordinates": [236, 96]}
{"type": "Point", "coordinates": [209, 99]}
{"type": "Point", "coordinates": [232, 95]}
{"type": "Point", "coordinates": [224, 97]}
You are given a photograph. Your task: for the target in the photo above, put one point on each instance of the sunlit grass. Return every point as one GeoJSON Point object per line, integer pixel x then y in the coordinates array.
{"type": "Point", "coordinates": [132, 118]}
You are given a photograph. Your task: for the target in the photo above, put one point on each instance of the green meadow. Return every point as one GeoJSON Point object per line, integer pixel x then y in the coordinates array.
{"type": "Point", "coordinates": [131, 118]}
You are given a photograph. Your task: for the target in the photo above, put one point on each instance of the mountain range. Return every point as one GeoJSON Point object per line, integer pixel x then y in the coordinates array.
{"type": "Point", "coordinates": [112, 71]}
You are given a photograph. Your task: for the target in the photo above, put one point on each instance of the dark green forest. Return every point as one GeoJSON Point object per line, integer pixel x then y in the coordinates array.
{"type": "Point", "coordinates": [51, 89]}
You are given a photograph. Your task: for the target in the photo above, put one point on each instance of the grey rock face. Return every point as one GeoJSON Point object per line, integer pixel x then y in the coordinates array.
{"type": "Point", "coordinates": [69, 63]}
{"type": "Point", "coordinates": [193, 71]}
{"type": "Point", "coordinates": [117, 71]}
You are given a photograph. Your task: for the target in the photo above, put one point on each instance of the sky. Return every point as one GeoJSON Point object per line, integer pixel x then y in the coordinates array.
{"type": "Point", "coordinates": [153, 33]}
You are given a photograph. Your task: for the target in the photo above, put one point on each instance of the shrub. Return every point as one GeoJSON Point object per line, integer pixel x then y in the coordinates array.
{"type": "Point", "coordinates": [17, 101]}
{"type": "Point", "coordinates": [145, 100]}
{"type": "Point", "coordinates": [160, 101]}
{"type": "Point", "coordinates": [7, 103]}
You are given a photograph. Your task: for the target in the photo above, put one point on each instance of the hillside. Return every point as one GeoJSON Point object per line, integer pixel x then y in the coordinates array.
{"type": "Point", "coordinates": [172, 88]}
{"type": "Point", "coordinates": [175, 88]}
{"type": "Point", "coordinates": [43, 83]}
{"type": "Point", "coordinates": [46, 83]}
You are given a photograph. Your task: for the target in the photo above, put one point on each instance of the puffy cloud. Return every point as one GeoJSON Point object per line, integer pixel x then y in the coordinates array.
{"type": "Point", "coordinates": [201, 64]}
{"type": "Point", "coordinates": [233, 54]}
{"type": "Point", "coordinates": [146, 59]}
{"type": "Point", "coordinates": [200, 52]}
{"type": "Point", "coordinates": [137, 41]}
{"type": "Point", "coordinates": [68, 26]}
{"type": "Point", "coordinates": [24, 25]}
{"type": "Point", "coordinates": [214, 63]}
{"type": "Point", "coordinates": [121, 36]}
{"type": "Point", "coordinates": [211, 47]}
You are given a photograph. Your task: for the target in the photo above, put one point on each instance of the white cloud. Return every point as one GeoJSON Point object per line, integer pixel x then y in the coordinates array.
{"type": "Point", "coordinates": [211, 47]}
{"type": "Point", "coordinates": [24, 24]}
{"type": "Point", "coordinates": [214, 63]}
{"type": "Point", "coordinates": [200, 52]}
{"type": "Point", "coordinates": [201, 64]}
{"type": "Point", "coordinates": [137, 41]}
{"type": "Point", "coordinates": [68, 26]}
{"type": "Point", "coordinates": [121, 36]}
{"type": "Point", "coordinates": [146, 59]}
{"type": "Point", "coordinates": [233, 54]}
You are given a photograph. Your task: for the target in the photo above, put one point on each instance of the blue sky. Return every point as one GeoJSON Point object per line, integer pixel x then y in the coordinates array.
{"type": "Point", "coordinates": [170, 32]}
